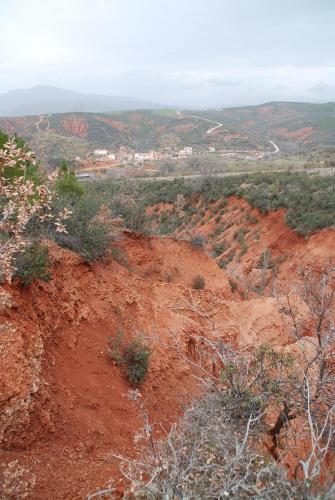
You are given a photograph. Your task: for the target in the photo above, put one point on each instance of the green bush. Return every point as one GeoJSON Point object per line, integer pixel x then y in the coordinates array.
{"type": "Point", "coordinates": [240, 233]}
{"type": "Point", "coordinates": [86, 235]}
{"type": "Point", "coordinates": [198, 282]}
{"type": "Point", "coordinates": [197, 241]}
{"type": "Point", "coordinates": [243, 246]}
{"type": "Point", "coordinates": [219, 230]}
{"type": "Point", "coordinates": [239, 236]}
{"type": "Point", "coordinates": [218, 249]}
{"type": "Point", "coordinates": [251, 219]}
{"type": "Point", "coordinates": [33, 264]}
{"type": "Point", "coordinates": [136, 357]}
{"type": "Point", "coordinates": [131, 211]}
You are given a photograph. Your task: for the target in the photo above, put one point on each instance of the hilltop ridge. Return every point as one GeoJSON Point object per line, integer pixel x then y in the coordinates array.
{"type": "Point", "coordinates": [295, 127]}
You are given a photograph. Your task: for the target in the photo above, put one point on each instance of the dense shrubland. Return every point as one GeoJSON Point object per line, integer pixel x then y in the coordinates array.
{"type": "Point", "coordinates": [308, 199]}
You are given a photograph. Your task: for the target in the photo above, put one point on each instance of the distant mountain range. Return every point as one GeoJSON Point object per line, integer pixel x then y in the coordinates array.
{"type": "Point", "coordinates": [45, 99]}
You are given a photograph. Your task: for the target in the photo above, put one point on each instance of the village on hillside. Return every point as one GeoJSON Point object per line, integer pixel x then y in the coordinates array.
{"type": "Point", "coordinates": [131, 162]}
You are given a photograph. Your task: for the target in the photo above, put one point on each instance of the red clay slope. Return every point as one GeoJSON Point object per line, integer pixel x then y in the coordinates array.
{"type": "Point", "coordinates": [64, 405]}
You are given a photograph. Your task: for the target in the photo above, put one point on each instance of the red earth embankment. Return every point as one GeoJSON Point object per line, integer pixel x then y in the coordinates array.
{"type": "Point", "coordinates": [64, 405]}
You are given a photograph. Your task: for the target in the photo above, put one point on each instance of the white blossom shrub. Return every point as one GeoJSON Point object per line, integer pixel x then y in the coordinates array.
{"type": "Point", "coordinates": [22, 197]}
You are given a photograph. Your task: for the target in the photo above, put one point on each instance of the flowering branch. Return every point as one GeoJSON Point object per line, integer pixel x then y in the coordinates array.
{"type": "Point", "coordinates": [21, 199]}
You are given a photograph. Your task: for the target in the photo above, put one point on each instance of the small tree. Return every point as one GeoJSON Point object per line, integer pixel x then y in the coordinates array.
{"type": "Point", "coordinates": [207, 169]}
{"type": "Point", "coordinates": [67, 183]}
{"type": "Point", "coordinates": [318, 291]}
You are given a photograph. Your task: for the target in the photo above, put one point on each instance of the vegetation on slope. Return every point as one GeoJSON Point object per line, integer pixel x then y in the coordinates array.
{"type": "Point", "coordinates": [295, 126]}
{"type": "Point", "coordinates": [303, 125]}
{"type": "Point", "coordinates": [308, 199]}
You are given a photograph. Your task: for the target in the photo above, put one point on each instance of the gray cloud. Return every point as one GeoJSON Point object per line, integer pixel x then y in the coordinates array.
{"type": "Point", "coordinates": [193, 52]}
{"type": "Point", "coordinates": [323, 89]}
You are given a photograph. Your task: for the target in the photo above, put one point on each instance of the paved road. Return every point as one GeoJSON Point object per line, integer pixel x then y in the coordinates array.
{"type": "Point", "coordinates": [321, 171]}
{"type": "Point", "coordinates": [209, 131]}
{"type": "Point", "coordinates": [275, 146]}
{"type": "Point", "coordinates": [219, 125]}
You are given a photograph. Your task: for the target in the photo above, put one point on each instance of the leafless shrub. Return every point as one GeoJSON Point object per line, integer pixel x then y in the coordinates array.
{"type": "Point", "coordinates": [211, 454]}
{"type": "Point", "coordinates": [318, 291]}
{"type": "Point", "coordinates": [322, 434]}
{"type": "Point", "coordinates": [216, 451]}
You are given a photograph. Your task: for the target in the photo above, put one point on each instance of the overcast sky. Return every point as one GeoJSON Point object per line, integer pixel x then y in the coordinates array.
{"type": "Point", "coordinates": [183, 52]}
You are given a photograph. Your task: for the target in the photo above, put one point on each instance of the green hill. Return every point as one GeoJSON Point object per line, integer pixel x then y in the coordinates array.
{"type": "Point", "coordinates": [293, 126]}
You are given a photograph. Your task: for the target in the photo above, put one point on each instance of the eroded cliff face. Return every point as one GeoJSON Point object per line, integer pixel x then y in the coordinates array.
{"type": "Point", "coordinates": [258, 251]}
{"type": "Point", "coordinates": [65, 410]}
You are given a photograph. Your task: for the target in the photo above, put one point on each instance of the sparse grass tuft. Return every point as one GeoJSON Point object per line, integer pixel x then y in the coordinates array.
{"type": "Point", "coordinates": [198, 282]}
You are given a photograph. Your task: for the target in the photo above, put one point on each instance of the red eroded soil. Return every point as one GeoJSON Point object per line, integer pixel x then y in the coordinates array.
{"type": "Point", "coordinates": [75, 125]}
{"type": "Point", "coordinates": [167, 260]}
{"type": "Point", "coordinates": [265, 110]}
{"type": "Point", "coordinates": [184, 128]}
{"type": "Point", "coordinates": [65, 410]}
{"type": "Point", "coordinates": [114, 123]}
{"type": "Point", "coordinates": [289, 251]}
{"type": "Point", "coordinates": [299, 135]}
{"type": "Point", "coordinates": [65, 406]}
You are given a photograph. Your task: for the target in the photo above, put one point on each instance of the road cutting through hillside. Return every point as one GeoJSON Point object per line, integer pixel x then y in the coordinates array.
{"type": "Point", "coordinates": [209, 131]}
{"type": "Point", "coordinates": [219, 125]}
